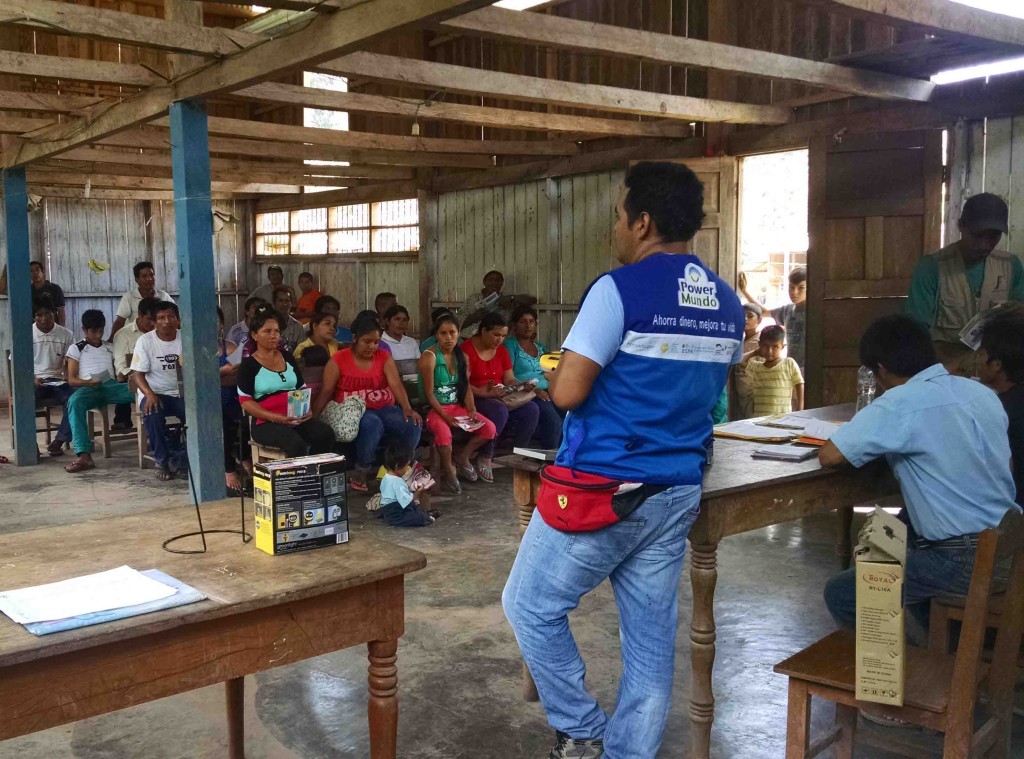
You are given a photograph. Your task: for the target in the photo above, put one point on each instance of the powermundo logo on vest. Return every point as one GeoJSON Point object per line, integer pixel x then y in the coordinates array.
{"type": "Point", "coordinates": [696, 290]}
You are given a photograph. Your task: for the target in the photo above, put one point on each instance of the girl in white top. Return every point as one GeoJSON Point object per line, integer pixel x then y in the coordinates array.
{"type": "Point", "coordinates": [404, 349]}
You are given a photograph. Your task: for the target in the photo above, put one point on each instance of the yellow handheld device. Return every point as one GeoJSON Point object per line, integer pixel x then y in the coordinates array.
{"type": "Point", "coordinates": [549, 361]}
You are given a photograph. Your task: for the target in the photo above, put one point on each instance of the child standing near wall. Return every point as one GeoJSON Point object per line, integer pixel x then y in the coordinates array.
{"type": "Point", "coordinates": [773, 384]}
{"type": "Point", "coordinates": [398, 504]}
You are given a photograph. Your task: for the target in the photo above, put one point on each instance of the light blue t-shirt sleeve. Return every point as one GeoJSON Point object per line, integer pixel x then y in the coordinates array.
{"type": "Point", "coordinates": [875, 431]}
{"type": "Point", "coordinates": [394, 490]}
{"type": "Point", "coordinates": [597, 332]}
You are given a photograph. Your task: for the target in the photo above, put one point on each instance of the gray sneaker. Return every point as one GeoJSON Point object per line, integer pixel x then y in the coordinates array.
{"type": "Point", "coordinates": [569, 748]}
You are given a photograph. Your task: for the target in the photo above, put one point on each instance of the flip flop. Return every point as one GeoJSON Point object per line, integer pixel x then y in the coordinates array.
{"type": "Point", "coordinates": [164, 475]}
{"type": "Point", "coordinates": [453, 487]}
{"type": "Point", "coordinates": [78, 466]}
{"type": "Point", "coordinates": [359, 487]}
{"type": "Point", "coordinates": [486, 473]}
{"type": "Point", "coordinates": [466, 471]}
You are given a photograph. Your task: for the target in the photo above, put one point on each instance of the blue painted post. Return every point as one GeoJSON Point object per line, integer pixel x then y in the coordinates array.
{"type": "Point", "coordinates": [193, 228]}
{"type": "Point", "coordinates": [19, 288]}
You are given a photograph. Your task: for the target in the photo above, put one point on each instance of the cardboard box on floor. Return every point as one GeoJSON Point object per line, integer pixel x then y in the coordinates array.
{"type": "Point", "coordinates": [881, 559]}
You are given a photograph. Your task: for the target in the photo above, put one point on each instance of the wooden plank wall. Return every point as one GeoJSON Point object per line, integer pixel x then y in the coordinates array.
{"type": "Point", "coordinates": [988, 156]}
{"type": "Point", "coordinates": [68, 233]}
{"type": "Point", "coordinates": [549, 238]}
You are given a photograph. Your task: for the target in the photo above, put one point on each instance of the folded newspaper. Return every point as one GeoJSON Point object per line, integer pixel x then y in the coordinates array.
{"type": "Point", "coordinates": [971, 334]}
{"type": "Point", "coordinates": [468, 423]}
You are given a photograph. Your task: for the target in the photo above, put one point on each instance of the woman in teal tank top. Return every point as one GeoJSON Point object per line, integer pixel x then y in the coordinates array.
{"type": "Point", "coordinates": [444, 377]}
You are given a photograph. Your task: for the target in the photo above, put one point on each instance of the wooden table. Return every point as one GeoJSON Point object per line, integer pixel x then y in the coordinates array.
{"type": "Point", "coordinates": [262, 612]}
{"type": "Point", "coordinates": [740, 494]}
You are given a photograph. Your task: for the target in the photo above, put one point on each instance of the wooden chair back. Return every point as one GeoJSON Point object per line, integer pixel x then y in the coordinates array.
{"type": "Point", "coordinates": [997, 548]}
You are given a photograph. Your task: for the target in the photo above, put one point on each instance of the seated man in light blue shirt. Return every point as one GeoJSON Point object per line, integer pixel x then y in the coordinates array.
{"type": "Point", "coordinates": [945, 439]}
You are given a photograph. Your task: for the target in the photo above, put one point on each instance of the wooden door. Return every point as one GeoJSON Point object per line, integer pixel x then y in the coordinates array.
{"type": "Point", "coordinates": [715, 243]}
{"type": "Point", "coordinates": [875, 209]}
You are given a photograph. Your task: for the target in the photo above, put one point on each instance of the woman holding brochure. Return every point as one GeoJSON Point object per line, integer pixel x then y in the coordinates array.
{"type": "Point", "coordinates": [444, 377]}
{"type": "Point", "coordinates": [265, 380]}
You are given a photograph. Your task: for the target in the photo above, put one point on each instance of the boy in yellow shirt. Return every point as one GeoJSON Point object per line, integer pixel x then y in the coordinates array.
{"type": "Point", "coordinates": [772, 383]}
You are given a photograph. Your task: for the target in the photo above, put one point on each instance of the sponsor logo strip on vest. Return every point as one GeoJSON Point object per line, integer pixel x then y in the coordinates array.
{"type": "Point", "coordinates": [713, 350]}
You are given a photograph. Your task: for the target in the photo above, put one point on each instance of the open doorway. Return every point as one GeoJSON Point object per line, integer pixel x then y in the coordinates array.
{"type": "Point", "coordinates": [773, 237]}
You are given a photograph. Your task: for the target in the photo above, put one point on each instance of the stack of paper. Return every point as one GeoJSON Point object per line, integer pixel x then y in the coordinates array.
{"type": "Point", "coordinates": [91, 599]}
{"type": "Point", "coordinates": [750, 431]}
{"type": "Point", "coordinates": [785, 453]}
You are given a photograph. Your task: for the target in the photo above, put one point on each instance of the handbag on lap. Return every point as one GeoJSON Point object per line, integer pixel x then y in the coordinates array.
{"type": "Point", "coordinates": [344, 417]}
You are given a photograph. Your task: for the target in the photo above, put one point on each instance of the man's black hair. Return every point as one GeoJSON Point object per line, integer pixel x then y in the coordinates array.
{"type": "Point", "coordinates": [93, 319]}
{"type": "Point", "coordinates": [901, 344]}
{"type": "Point", "coordinates": [37, 263]}
{"type": "Point", "coordinates": [43, 303]}
{"type": "Point", "coordinates": [381, 296]}
{"type": "Point", "coordinates": [137, 269]}
{"type": "Point", "coordinates": [670, 194]}
{"type": "Point", "coordinates": [1003, 339]}
{"type": "Point", "coordinates": [798, 275]}
{"type": "Point", "coordinates": [772, 334]}
{"type": "Point", "coordinates": [397, 457]}
{"type": "Point", "coordinates": [250, 302]}
{"type": "Point", "coordinates": [166, 305]}
{"type": "Point", "coordinates": [274, 267]}
{"type": "Point", "coordinates": [281, 289]}
{"type": "Point", "coordinates": [319, 303]}
{"type": "Point", "coordinates": [306, 274]}
{"type": "Point", "coordinates": [147, 306]}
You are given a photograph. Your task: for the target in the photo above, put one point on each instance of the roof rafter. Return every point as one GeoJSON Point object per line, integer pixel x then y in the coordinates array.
{"type": "Point", "coordinates": [943, 16]}
{"type": "Point", "coordinates": [324, 38]}
{"type": "Point", "coordinates": [537, 90]}
{"type": "Point", "coordinates": [125, 28]}
{"type": "Point", "coordinates": [636, 44]}
{"type": "Point", "coordinates": [498, 118]}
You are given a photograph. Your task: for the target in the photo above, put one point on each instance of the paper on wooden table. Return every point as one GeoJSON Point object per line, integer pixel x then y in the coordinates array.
{"type": "Point", "coordinates": [112, 589]}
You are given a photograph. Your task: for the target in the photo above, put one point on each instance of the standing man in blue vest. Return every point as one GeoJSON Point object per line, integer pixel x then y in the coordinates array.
{"type": "Point", "coordinates": [642, 369]}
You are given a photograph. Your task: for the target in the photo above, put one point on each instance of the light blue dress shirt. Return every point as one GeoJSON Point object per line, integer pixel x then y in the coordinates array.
{"type": "Point", "coordinates": [945, 439]}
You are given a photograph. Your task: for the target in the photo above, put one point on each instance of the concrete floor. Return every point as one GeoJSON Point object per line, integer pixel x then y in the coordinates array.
{"type": "Point", "coordinates": [458, 662]}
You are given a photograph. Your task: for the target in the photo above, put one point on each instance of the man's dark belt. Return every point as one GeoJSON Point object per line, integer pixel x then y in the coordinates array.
{"type": "Point", "coordinates": [962, 542]}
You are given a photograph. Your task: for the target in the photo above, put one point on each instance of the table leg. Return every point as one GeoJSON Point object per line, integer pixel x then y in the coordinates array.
{"type": "Point", "coordinates": [844, 543]}
{"type": "Point", "coordinates": [383, 706]}
{"type": "Point", "coordinates": [703, 577]}
{"type": "Point", "coordinates": [524, 490]}
{"type": "Point", "coordinates": [234, 690]}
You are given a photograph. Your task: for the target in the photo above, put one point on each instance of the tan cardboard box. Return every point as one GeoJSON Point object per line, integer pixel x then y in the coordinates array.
{"type": "Point", "coordinates": [881, 557]}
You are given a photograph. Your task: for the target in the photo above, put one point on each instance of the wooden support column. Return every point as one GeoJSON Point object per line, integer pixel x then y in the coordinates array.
{"type": "Point", "coordinates": [193, 228]}
{"type": "Point", "coordinates": [19, 288]}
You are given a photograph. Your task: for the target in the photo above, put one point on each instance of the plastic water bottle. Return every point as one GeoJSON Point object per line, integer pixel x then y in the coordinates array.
{"type": "Point", "coordinates": [865, 387]}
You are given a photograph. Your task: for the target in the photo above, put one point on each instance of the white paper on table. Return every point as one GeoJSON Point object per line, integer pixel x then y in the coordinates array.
{"type": "Point", "coordinates": [102, 591]}
{"type": "Point", "coordinates": [820, 430]}
{"type": "Point", "coordinates": [754, 431]}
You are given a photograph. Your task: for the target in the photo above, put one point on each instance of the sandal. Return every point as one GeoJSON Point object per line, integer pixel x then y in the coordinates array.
{"type": "Point", "coordinates": [164, 475]}
{"type": "Point", "coordinates": [358, 486]}
{"type": "Point", "coordinates": [79, 466]}
{"type": "Point", "coordinates": [466, 471]}
{"type": "Point", "coordinates": [435, 513]}
{"type": "Point", "coordinates": [486, 473]}
{"type": "Point", "coordinates": [56, 448]}
{"type": "Point", "coordinates": [452, 487]}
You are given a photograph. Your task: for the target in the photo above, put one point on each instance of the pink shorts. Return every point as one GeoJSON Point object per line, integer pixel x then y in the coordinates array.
{"type": "Point", "coordinates": [443, 433]}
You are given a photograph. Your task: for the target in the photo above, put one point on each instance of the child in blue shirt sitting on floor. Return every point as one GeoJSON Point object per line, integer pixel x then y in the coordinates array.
{"type": "Point", "coordinates": [398, 504]}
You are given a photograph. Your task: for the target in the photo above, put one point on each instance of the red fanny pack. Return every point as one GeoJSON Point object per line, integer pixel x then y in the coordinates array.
{"type": "Point", "coordinates": [574, 501]}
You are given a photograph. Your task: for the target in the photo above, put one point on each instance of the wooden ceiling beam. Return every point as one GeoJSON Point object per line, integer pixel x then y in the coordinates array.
{"type": "Point", "coordinates": [942, 17]}
{"type": "Point", "coordinates": [103, 156]}
{"type": "Point", "coordinates": [294, 177]}
{"type": "Point", "coordinates": [371, 193]}
{"type": "Point", "coordinates": [370, 141]}
{"type": "Point", "coordinates": [652, 47]}
{"type": "Point", "coordinates": [77, 69]}
{"type": "Point", "coordinates": [11, 100]}
{"type": "Point", "coordinates": [326, 37]}
{"type": "Point", "coordinates": [437, 110]}
{"type": "Point", "coordinates": [47, 177]}
{"type": "Point", "coordinates": [473, 81]}
{"type": "Point", "coordinates": [125, 28]}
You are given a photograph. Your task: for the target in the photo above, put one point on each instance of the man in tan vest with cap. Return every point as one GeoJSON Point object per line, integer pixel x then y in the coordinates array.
{"type": "Point", "coordinates": [951, 286]}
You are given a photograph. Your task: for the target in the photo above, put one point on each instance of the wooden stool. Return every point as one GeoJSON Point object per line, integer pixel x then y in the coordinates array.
{"type": "Point", "coordinates": [264, 453]}
{"type": "Point", "coordinates": [941, 689]}
{"type": "Point", "coordinates": [104, 434]}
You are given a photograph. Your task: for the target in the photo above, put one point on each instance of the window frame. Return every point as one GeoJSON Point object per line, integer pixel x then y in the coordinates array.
{"type": "Point", "coordinates": [329, 211]}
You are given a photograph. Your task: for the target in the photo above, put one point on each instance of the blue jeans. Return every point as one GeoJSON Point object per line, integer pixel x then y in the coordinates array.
{"type": "Point", "coordinates": [643, 558]}
{"type": "Point", "coordinates": [386, 424]}
{"type": "Point", "coordinates": [156, 431]}
{"type": "Point", "coordinates": [59, 393]}
{"type": "Point", "coordinates": [930, 572]}
{"type": "Point", "coordinates": [549, 425]}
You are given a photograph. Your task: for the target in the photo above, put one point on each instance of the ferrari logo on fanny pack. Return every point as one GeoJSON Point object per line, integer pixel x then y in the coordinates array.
{"type": "Point", "coordinates": [563, 501]}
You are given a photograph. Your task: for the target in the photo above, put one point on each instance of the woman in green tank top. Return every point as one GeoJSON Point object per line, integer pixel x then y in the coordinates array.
{"type": "Point", "coordinates": [444, 377]}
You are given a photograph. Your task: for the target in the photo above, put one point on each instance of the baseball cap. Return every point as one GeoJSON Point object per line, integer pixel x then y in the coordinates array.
{"type": "Point", "coordinates": [985, 212]}
{"type": "Point", "coordinates": [753, 307]}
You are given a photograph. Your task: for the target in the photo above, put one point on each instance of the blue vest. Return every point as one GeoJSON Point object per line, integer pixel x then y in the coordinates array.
{"type": "Point", "coordinates": [648, 416]}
